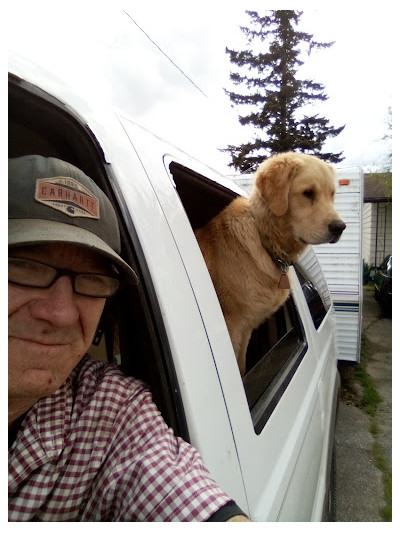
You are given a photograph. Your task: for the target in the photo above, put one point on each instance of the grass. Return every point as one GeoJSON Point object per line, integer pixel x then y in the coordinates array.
{"type": "Point", "coordinates": [369, 402]}
{"type": "Point", "coordinates": [370, 398]}
{"type": "Point", "coordinates": [381, 464]}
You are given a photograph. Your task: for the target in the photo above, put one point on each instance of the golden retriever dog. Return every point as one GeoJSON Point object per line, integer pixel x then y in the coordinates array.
{"type": "Point", "coordinates": [249, 246]}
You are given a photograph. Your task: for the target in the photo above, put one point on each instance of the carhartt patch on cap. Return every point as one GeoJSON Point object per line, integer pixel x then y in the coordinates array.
{"type": "Point", "coordinates": [52, 201]}
{"type": "Point", "coordinates": [68, 196]}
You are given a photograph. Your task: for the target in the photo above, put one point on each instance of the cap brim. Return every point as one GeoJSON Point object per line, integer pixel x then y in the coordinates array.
{"type": "Point", "coordinates": [25, 232]}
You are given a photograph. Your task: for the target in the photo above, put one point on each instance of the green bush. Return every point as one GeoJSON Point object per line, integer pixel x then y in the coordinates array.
{"type": "Point", "coordinates": [366, 272]}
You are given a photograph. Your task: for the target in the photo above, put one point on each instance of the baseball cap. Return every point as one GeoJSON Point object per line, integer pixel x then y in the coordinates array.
{"type": "Point", "coordinates": [52, 201]}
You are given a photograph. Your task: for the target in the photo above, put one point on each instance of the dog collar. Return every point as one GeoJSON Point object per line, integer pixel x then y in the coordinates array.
{"type": "Point", "coordinates": [280, 263]}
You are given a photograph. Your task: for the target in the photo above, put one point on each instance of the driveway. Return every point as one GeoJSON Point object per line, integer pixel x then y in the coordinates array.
{"type": "Point", "coordinates": [364, 441]}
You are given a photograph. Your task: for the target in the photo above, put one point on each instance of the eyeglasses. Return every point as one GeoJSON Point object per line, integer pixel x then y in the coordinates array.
{"type": "Point", "coordinates": [31, 273]}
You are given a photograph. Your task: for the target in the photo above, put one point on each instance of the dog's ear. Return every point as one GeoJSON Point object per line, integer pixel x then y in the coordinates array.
{"type": "Point", "coordinates": [273, 179]}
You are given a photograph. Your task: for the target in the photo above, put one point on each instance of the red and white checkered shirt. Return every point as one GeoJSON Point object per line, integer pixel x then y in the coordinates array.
{"type": "Point", "coordinates": [98, 450]}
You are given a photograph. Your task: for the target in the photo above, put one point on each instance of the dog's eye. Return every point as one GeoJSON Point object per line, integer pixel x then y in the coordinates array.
{"type": "Point", "coordinates": [309, 193]}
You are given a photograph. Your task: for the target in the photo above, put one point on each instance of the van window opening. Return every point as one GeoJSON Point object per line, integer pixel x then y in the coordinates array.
{"type": "Point", "coordinates": [277, 347]}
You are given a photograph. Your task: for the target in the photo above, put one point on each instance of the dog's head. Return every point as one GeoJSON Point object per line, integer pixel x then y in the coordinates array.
{"type": "Point", "coordinates": [300, 189]}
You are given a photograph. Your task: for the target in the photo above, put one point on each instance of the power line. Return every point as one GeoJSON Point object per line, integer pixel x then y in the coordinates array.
{"type": "Point", "coordinates": [165, 54]}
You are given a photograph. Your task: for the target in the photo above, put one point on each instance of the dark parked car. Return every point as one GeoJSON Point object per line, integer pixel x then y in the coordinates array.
{"type": "Point", "coordinates": [383, 285]}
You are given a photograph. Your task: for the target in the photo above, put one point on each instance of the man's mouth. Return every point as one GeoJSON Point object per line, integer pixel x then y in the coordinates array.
{"type": "Point", "coordinates": [46, 343]}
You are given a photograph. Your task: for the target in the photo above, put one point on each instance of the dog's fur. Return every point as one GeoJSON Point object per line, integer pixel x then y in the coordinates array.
{"type": "Point", "coordinates": [289, 207]}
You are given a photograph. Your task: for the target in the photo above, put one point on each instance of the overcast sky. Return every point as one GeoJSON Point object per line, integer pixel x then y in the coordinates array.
{"type": "Point", "coordinates": [356, 71]}
{"type": "Point", "coordinates": [101, 52]}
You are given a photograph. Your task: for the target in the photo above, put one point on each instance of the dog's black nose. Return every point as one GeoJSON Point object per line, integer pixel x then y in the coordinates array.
{"type": "Point", "coordinates": [336, 228]}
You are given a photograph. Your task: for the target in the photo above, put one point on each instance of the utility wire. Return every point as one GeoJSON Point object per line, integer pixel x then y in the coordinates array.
{"type": "Point", "coordinates": [166, 55]}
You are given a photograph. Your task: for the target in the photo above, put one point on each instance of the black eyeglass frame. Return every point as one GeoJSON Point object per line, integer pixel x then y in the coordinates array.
{"type": "Point", "coordinates": [72, 274]}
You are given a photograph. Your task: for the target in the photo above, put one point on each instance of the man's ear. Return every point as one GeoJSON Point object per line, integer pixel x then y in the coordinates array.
{"type": "Point", "coordinates": [273, 179]}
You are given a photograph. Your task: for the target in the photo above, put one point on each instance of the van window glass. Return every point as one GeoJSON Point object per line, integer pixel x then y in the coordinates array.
{"type": "Point", "coordinates": [274, 353]}
{"type": "Point", "coordinates": [314, 301]}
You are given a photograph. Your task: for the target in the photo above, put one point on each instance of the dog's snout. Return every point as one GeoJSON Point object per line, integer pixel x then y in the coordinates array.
{"type": "Point", "coordinates": [336, 228]}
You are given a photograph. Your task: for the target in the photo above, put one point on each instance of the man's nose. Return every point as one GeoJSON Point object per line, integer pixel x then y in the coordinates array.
{"type": "Point", "coordinates": [57, 304]}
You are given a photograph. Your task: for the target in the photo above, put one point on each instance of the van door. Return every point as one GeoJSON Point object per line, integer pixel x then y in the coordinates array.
{"type": "Point", "coordinates": [182, 292]}
{"type": "Point", "coordinates": [280, 447]}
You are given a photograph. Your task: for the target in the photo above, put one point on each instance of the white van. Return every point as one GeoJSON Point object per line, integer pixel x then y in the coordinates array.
{"type": "Point", "coordinates": [267, 439]}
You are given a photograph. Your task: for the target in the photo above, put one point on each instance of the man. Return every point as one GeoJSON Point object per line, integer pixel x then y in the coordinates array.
{"type": "Point", "coordinates": [86, 443]}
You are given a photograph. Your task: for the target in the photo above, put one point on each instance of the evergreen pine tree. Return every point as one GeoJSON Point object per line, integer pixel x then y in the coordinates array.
{"type": "Point", "coordinates": [276, 95]}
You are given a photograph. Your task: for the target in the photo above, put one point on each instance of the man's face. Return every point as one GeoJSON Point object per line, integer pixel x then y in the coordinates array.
{"type": "Point", "coordinates": [49, 330]}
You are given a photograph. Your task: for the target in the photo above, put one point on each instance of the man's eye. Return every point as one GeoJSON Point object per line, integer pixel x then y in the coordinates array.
{"type": "Point", "coordinates": [24, 266]}
{"type": "Point", "coordinates": [94, 280]}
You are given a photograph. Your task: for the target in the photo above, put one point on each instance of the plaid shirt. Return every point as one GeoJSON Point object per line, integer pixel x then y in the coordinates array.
{"type": "Point", "coordinates": [98, 450]}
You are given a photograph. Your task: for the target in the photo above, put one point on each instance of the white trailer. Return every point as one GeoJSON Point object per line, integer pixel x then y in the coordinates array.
{"type": "Point", "coordinates": [343, 266]}
{"type": "Point", "coordinates": [342, 262]}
